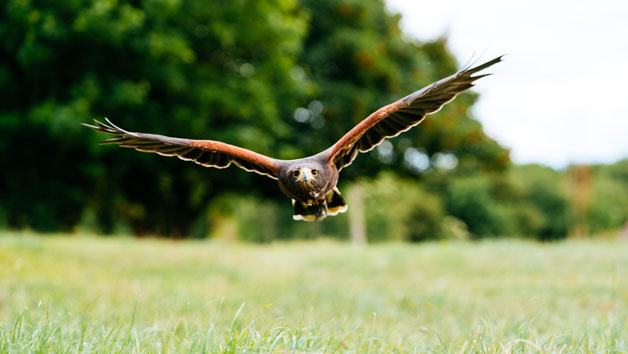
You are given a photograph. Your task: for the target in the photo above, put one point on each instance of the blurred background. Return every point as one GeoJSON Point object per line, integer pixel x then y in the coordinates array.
{"type": "Point", "coordinates": [287, 78]}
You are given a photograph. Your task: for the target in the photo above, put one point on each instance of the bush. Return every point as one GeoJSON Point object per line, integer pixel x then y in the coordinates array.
{"type": "Point", "coordinates": [400, 209]}
{"type": "Point", "coordinates": [470, 200]}
{"type": "Point", "coordinates": [609, 205]}
{"type": "Point", "coordinates": [544, 194]}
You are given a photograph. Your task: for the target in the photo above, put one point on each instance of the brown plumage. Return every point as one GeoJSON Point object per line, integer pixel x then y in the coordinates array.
{"type": "Point", "coordinates": [310, 181]}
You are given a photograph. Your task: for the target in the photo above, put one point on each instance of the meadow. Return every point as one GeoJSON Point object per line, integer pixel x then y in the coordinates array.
{"type": "Point", "coordinates": [81, 294]}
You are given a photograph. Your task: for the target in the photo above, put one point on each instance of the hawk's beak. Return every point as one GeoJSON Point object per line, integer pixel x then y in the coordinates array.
{"type": "Point", "coordinates": [306, 175]}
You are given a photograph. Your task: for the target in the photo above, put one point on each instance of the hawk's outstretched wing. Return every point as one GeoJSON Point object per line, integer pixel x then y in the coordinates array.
{"type": "Point", "coordinates": [207, 153]}
{"type": "Point", "coordinates": [402, 115]}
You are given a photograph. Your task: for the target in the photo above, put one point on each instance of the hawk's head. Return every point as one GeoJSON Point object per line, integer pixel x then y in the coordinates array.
{"type": "Point", "coordinates": [305, 180]}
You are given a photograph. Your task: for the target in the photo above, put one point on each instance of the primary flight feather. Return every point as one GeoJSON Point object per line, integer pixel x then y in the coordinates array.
{"type": "Point", "coordinates": [310, 181]}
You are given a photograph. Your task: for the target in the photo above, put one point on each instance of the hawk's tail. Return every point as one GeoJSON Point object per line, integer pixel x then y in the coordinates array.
{"type": "Point", "coordinates": [332, 204]}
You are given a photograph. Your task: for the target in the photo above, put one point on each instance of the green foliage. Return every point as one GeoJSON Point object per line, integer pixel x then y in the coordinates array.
{"type": "Point", "coordinates": [544, 195]}
{"type": "Point", "coordinates": [608, 209]}
{"type": "Point", "coordinates": [284, 78]}
{"type": "Point", "coordinates": [394, 209]}
{"type": "Point", "coordinates": [254, 219]}
{"type": "Point", "coordinates": [175, 67]}
{"type": "Point", "coordinates": [470, 200]}
{"type": "Point", "coordinates": [528, 200]}
{"type": "Point", "coordinates": [401, 210]}
{"type": "Point", "coordinates": [244, 217]}
{"type": "Point", "coordinates": [229, 70]}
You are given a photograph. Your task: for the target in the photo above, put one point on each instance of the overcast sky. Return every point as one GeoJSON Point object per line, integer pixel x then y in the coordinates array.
{"type": "Point", "coordinates": [561, 96]}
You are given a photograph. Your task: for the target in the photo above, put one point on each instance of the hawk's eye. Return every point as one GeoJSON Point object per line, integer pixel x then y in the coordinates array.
{"type": "Point", "coordinates": [314, 172]}
{"type": "Point", "coordinates": [296, 173]}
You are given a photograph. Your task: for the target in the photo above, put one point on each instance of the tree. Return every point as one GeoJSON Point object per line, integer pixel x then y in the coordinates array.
{"type": "Point", "coordinates": [608, 210]}
{"type": "Point", "coordinates": [360, 60]}
{"type": "Point", "coordinates": [258, 73]}
{"type": "Point", "coordinates": [199, 69]}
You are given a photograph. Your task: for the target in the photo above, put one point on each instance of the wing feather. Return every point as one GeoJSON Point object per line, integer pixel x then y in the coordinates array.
{"type": "Point", "coordinates": [208, 153]}
{"type": "Point", "coordinates": [400, 116]}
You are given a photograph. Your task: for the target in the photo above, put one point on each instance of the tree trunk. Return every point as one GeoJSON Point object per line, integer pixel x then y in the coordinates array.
{"type": "Point", "coordinates": [357, 226]}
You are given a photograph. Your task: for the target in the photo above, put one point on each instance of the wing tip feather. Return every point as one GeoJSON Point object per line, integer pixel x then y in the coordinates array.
{"type": "Point", "coordinates": [481, 67]}
{"type": "Point", "coordinates": [108, 128]}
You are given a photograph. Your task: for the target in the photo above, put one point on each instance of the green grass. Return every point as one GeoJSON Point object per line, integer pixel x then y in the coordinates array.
{"type": "Point", "coordinates": [83, 294]}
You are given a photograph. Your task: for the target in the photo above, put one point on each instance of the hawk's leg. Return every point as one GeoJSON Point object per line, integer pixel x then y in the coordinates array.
{"type": "Point", "coordinates": [315, 210]}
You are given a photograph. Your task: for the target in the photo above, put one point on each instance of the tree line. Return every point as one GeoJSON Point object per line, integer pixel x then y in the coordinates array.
{"type": "Point", "coordinates": [283, 78]}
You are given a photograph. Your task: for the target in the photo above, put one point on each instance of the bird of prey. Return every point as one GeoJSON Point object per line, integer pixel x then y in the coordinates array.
{"type": "Point", "coordinates": [310, 181]}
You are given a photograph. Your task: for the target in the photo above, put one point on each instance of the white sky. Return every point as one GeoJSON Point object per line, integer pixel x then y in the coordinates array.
{"type": "Point", "coordinates": [561, 95]}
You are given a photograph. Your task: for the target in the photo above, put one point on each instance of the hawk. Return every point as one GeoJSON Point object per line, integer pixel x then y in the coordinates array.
{"type": "Point", "coordinates": [310, 181]}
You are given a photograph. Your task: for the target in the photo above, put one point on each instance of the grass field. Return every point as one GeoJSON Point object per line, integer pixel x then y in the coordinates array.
{"type": "Point", "coordinates": [83, 294]}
